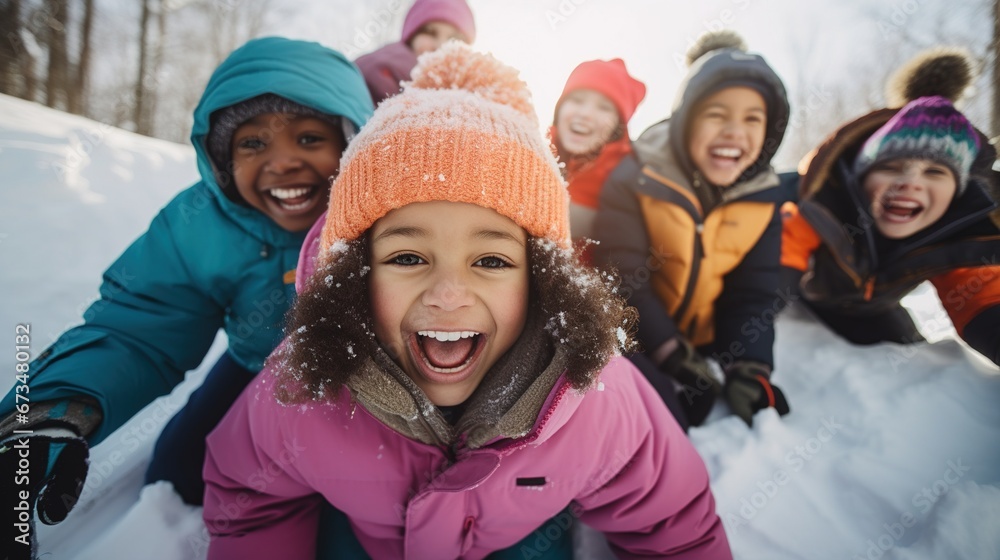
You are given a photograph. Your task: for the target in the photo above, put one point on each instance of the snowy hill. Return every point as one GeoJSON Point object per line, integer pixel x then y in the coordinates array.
{"type": "Point", "coordinates": [889, 452]}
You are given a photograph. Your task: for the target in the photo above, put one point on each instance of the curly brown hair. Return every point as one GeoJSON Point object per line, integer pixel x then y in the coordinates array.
{"type": "Point", "coordinates": [329, 332]}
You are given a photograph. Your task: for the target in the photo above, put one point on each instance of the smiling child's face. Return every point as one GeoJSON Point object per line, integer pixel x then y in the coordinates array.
{"type": "Point", "coordinates": [586, 121]}
{"type": "Point", "coordinates": [431, 36]}
{"type": "Point", "coordinates": [449, 288]}
{"type": "Point", "coordinates": [282, 166]}
{"type": "Point", "coordinates": [727, 133]}
{"type": "Point", "coordinates": [908, 195]}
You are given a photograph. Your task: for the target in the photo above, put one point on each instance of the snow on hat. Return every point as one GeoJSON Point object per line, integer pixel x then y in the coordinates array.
{"type": "Point", "coordinates": [463, 130]}
{"type": "Point", "coordinates": [224, 123]}
{"type": "Point", "coordinates": [926, 128]}
{"type": "Point", "coordinates": [455, 12]}
{"type": "Point", "coordinates": [611, 79]}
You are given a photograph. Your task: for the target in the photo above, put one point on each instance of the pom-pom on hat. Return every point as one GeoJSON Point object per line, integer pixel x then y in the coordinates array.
{"type": "Point", "coordinates": [611, 79]}
{"type": "Point", "coordinates": [926, 128]}
{"type": "Point", "coordinates": [463, 130]}
{"type": "Point", "coordinates": [455, 12]}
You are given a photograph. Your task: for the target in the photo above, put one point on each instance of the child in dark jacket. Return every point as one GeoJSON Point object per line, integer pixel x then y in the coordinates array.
{"type": "Point", "coordinates": [693, 226]}
{"type": "Point", "coordinates": [897, 197]}
{"type": "Point", "coordinates": [590, 133]}
{"type": "Point", "coordinates": [268, 134]}
{"type": "Point", "coordinates": [450, 380]}
{"type": "Point", "coordinates": [428, 25]}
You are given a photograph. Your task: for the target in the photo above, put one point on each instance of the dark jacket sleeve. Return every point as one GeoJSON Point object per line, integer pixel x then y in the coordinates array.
{"type": "Point", "coordinates": [971, 296]}
{"type": "Point", "coordinates": [983, 333]}
{"type": "Point", "coordinates": [624, 244]}
{"type": "Point", "coordinates": [151, 325]}
{"type": "Point", "coordinates": [751, 297]}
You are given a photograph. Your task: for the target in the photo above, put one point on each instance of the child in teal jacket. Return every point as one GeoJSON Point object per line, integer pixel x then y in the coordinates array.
{"type": "Point", "coordinates": [268, 134]}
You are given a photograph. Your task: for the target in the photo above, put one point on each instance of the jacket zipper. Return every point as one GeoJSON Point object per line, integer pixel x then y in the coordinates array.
{"type": "Point", "coordinates": [869, 288]}
{"type": "Point", "coordinates": [698, 252]}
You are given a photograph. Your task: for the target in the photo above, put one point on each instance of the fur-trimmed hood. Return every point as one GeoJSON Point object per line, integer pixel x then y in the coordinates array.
{"type": "Point", "coordinates": [940, 71]}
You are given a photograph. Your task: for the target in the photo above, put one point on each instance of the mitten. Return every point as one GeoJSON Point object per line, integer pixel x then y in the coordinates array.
{"type": "Point", "coordinates": [698, 387]}
{"type": "Point", "coordinates": [749, 389]}
{"type": "Point", "coordinates": [44, 459]}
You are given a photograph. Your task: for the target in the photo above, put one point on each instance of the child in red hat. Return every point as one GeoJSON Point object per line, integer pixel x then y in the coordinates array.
{"type": "Point", "coordinates": [590, 133]}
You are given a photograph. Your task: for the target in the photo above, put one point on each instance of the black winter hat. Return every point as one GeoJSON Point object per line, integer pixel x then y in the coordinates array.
{"type": "Point", "coordinates": [720, 60]}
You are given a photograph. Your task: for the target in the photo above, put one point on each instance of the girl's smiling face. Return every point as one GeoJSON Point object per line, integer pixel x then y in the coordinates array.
{"type": "Point", "coordinates": [431, 36]}
{"type": "Point", "coordinates": [908, 195]}
{"type": "Point", "coordinates": [449, 289]}
{"type": "Point", "coordinates": [586, 121]}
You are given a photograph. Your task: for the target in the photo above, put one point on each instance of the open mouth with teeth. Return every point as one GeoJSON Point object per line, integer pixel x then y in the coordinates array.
{"type": "Point", "coordinates": [579, 128]}
{"type": "Point", "coordinates": [900, 210]}
{"type": "Point", "coordinates": [446, 356]}
{"type": "Point", "coordinates": [726, 154]}
{"type": "Point", "coordinates": [294, 199]}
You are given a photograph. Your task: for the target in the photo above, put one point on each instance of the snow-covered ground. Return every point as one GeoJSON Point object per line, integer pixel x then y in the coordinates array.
{"type": "Point", "coordinates": [889, 452]}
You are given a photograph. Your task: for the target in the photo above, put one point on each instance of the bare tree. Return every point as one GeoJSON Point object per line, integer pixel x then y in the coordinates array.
{"type": "Point", "coordinates": [10, 45]}
{"type": "Point", "coordinates": [79, 91]}
{"type": "Point", "coordinates": [57, 79]}
{"type": "Point", "coordinates": [201, 34]}
{"type": "Point", "coordinates": [232, 24]}
{"type": "Point", "coordinates": [140, 111]}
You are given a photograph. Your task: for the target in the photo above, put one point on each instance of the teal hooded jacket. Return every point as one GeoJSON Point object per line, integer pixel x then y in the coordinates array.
{"type": "Point", "coordinates": [205, 262]}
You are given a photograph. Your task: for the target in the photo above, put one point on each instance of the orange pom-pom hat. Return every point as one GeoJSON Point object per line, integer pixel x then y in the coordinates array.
{"type": "Point", "coordinates": [463, 130]}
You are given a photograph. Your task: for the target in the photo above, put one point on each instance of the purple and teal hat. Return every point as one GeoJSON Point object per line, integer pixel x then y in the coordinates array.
{"type": "Point", "coordinates": [926, 128]}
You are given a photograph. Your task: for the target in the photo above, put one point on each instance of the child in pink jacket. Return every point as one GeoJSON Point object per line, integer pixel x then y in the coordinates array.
{"type": "Point", "coordinates": [428, 25]}
{"type": "Point", "coordinates": [451, 378]}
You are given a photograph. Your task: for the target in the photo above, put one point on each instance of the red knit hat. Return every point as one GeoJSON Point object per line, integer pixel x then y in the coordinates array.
{"type": "Point", "coordinates": [611, 79]}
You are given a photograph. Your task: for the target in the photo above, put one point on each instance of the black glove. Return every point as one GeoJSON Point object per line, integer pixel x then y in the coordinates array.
{"type": "Point", "coordinates": [699, 388]}
{"type": "Point", "coordinates": [43, 471]}
{"type": "Point", "coordinates": [749, 389]}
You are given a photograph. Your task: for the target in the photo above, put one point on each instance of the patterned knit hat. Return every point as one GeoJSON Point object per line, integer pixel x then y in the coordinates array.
{"type": "Point", "coordinates": [224, 123]}
{"type": "Point", "coordinates": [455, 12]}
{"type": "Point", "coordinates": [926, 128]}
{"type": "Point", "coordinates": [611, 79]}
{"type": "Point", "coordinates": [463, 130]}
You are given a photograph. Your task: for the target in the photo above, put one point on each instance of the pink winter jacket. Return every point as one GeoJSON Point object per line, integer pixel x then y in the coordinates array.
{"type": "Point", "coordinates": [614, 455]}
{"type": "Point", "coordinates": [385, 68]}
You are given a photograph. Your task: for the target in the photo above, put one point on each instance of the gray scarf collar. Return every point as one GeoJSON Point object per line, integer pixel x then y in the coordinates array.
{"type": "Point", "coordinates": [505, 405]}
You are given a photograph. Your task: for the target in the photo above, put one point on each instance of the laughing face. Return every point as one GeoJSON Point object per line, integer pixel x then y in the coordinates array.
{"type": "Point", "coordinates": [282, 165]}
{"type": "Point", "coordinates": [908, 195]}
{"type": "Point", "coordinates": [727, 133]}
{"type": "Point", "coordinates": [585, 122]}
{"type": "Point", "coordinates": [449, 289]}
{"type": "Point", "coordinates": [431, 36]}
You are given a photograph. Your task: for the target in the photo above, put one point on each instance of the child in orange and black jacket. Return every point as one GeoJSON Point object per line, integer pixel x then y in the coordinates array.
{"type": "Point", "coordinates": [694, 228]}
{"type": "Point", "coordinates": [897, 197]}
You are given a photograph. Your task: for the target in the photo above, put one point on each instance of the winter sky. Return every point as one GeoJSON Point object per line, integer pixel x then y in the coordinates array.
{"type": "Point", "coordinates": [833, 56]}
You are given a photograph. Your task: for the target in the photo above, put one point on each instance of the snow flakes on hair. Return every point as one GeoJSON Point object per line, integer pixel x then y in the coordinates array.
{"type": "Point", "coordinates": [715, 40]}
{"type": "Point", "coordinates": [583, 309]}
{"type": "Point", "coordinates": [455, 66]}
{"type": "Point", "coordinates": [939, 71]}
